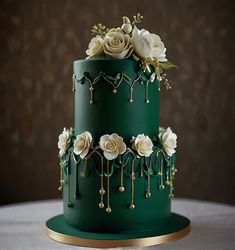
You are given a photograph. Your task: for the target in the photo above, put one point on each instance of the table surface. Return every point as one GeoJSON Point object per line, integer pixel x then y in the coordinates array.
{"type": "Point", "coordinates": [213, 226]}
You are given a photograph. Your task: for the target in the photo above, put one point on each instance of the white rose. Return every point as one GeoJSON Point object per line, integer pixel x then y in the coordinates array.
{"type": "Point", "coordinates": [82, 144]}
{"type": "Point", "coordinates": [148, 46]}
{"type": "Point", "coordinates": [116, 44]}
{"type": "Point", "coordinates": [168, 139]}
{"type": "Point", "coordinates": [112, 145]}
{"type": "Point", "coordinates": [64, 141]}
{"type": "Point", "coordinates": [95, 47]}
{"type": "Point", "coordinates": [143, 145]}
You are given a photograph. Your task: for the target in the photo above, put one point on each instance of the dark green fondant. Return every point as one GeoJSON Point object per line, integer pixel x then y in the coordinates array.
{"type": "Point", "coordinates": [85, 214]}
{"type": "Point", "coordinates": [113, 112]}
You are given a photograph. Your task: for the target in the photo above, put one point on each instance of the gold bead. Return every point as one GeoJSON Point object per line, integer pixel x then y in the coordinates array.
{"type": "Point", "coordinates": [121, 189]}
{"type": "Point", "coordinates": [102, 191]}
{"type": "Point", "coordinates": [101, 205]}
{"type": "Point", "coordinates": [108, 210]}
{"type": "Point", "coordinates": [148, 194]}
{"type": "Point", "coordinates": [147, 101]}
{"type": "Point", "coordinates": [132, 206]}
{"type": "Point", "coordinates": [131, 100]}
{"type": "Point", "coordinates": [114, 91]}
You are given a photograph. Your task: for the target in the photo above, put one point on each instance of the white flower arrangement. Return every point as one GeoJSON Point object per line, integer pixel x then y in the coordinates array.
{"type": "Point", "coordinates": [143, 145]}
{"type": "Point", "coordinates": [130, 42]}
{"type": "Point", "coordinates": [64, 141]}
{"type": "Point", "coordinates": [168, 140]}
{"type": "Point", "coordinates": [112, 145]}
{"type": "Point", "coordinates": [82, 144]}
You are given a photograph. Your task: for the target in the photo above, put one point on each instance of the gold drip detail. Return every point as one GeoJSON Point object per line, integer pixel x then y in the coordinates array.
{"type": "Point", "coordinates": [132, 88]}
{"type": "Point", "coordinates": [148, 192]}
{"type": "Point", "coordinates": [147, 92]}
{"type": "Point", "coordinates": [121, 188]}
{"type": "Point", "coordinates": [61, 177]}
{"type": "Point", "coordinates": [132, 176]}
{"type": "Point", "coordinates": [102, 191]}
{"type": "Point", "coordinates": [108, 209]}
{"type": "Point", "coordinates": [161, 186]}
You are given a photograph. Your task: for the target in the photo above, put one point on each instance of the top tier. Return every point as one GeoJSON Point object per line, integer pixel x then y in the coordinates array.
{"type": "Point", "coordinates": [115, 96]}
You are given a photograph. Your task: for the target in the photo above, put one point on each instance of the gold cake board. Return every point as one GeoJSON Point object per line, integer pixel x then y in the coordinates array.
{"type": "Point", "coordinates": [55, 232]}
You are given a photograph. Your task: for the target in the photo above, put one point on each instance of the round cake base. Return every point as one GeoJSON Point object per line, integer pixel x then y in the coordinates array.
{"type": "Point", "coordinates": [58, 230]}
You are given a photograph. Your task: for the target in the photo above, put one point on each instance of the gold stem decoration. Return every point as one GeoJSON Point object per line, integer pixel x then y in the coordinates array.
{"type": "Point", "coordinates": [101, 191]}
{"type": "Point", "coordinates": [121, 188]}
{"type": "Point", "coordinates": [108, 209]}
{"type": "Point", "coordinates": [147, 92]}
{"type": "Point", "coordinates": [61, 177]}
{"type": "Point", "coordinates": [132, 205]}
{"type": "Point", "coordinates": [161, 186]}
{"type": "Point", "coordinates": [148, 192]}
{"type": "Point", "coordinates": [132, 88]}
{"type": "Point", "coordinates": [91, 90]}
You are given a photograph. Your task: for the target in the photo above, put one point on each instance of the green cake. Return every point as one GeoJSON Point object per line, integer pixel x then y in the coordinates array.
{"type": "Point", "coordinates": [117, 165]}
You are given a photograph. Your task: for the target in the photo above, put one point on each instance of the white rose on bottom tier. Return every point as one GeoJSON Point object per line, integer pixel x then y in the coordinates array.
{"type": "Point", "coordinates": [112, 145]}
{"type": "Point", "coordinates": [168, 139]}
{"type": "Point", "coordinates": [82, 144]}
{"type": "Point", "coordinates": [64, 140]}
{"type": "Point", "coordinates": [143, 145]}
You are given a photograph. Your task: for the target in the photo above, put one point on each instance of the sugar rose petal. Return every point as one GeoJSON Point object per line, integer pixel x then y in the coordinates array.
{"type": "Point", "coordinates": [82, 144]}
{"type": "Point", "coordinates": [112, 145]}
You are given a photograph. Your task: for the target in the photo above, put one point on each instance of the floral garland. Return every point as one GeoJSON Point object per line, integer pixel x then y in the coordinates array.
{"type": "Point", "coordinates": [113, 145]}
{"type": "Point", "coordinates": [130, 42]}
{"type": "Point", "coordinates": [145, 160]}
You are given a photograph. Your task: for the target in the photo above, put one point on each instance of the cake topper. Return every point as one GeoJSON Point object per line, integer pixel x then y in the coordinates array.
{"type": "Point", "coordinates": [128, 41]}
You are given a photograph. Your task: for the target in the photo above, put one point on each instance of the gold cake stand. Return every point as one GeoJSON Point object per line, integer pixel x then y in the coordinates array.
{"type": "Point", "coordinates": [57, 230]}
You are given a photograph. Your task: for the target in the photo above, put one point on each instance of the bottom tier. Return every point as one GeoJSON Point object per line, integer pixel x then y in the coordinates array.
{"type": "Point", "coordinates": [130, 194]}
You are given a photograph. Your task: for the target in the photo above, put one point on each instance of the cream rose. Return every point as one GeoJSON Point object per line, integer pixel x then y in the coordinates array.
{"type": "Point", "coordinates": [64, 141]}
{"type": "Point", "coordinates": [95, 47]}
{"type": "Point", "coordinates": [116, 44]}
{"type": "Point", "coordinates": [82, 144]}
{"type": "Point", "coordinates": [148, 46]}
{"type": "Point", "coordinates": [168, 139]}
{"type": "Point", "coordinates": [112, 145]}
{"type": "Point", "coordinates": [143, 145]}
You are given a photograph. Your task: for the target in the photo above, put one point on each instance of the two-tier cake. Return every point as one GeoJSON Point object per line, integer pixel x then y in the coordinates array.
{"type": "Point", "coordinates": [117, 166]}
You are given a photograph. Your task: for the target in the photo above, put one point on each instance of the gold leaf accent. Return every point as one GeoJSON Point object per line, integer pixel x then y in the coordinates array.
{"type": "Point", "coordinates": [167, 65]}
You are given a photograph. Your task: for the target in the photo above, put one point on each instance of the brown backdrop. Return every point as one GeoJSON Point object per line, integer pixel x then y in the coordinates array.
{"type": "Point", "coordinates": [39, 41]}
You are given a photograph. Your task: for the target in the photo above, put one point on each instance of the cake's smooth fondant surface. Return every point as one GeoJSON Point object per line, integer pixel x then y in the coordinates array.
{"type": "Point", "coordinates": [112, 112]}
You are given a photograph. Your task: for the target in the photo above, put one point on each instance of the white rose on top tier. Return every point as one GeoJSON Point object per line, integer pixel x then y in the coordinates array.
{"type": "Point", "coordinates": [95, 47]}
{"type": "Point", "coordinates": [148, 46]}
{"type": "Point", "coordinates": [64, 141]}
{"type": "Point", "coordinates": [112, 145]}
{"type": "Point", "coordinates": [82, 144]}
{"type": "Point", "coordinates": [168, 139]}
{"type": "Point", "coordinates": [116, 44]}
{"type": "Point", "coordinates": [143, 145]}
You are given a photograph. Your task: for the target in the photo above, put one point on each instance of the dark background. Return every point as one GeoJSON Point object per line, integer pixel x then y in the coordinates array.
{"type": "Point", "coordinates": [39, 40]}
